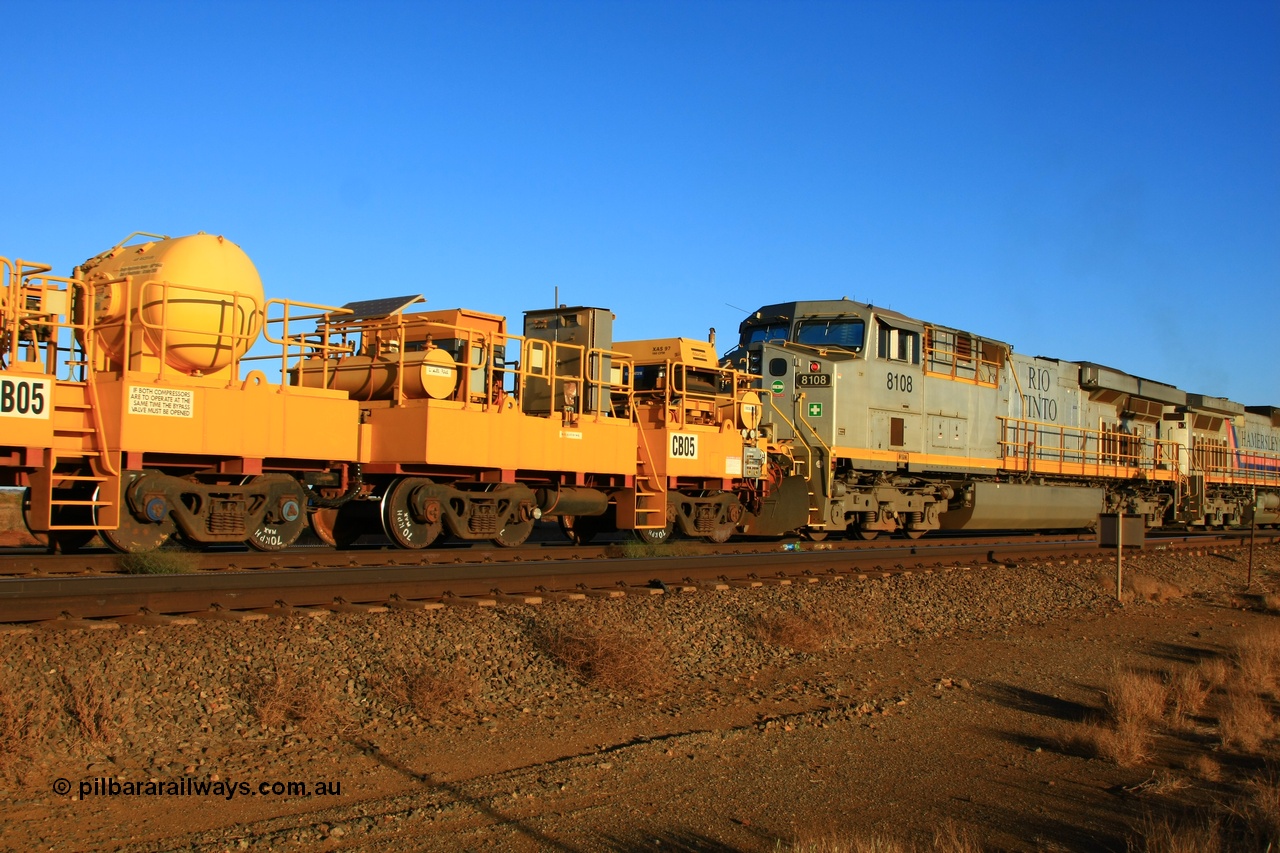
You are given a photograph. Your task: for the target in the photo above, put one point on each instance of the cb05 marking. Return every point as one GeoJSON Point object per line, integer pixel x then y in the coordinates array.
{"type": "Point", "coordinates": [24, 398]}
{"type": "Point", "coordinates": [684, 446]}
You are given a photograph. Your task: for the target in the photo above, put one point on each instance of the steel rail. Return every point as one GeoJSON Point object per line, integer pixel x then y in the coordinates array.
{"type": "Point", "coordinates": [220, 594]}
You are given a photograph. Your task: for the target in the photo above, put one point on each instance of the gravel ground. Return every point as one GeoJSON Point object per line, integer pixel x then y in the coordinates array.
{"type": "Point", "coordinates": [575, 725]}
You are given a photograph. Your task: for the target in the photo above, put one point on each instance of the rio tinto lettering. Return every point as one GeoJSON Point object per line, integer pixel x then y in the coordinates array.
{"type": "Point", "coordinates": [1039, 406]}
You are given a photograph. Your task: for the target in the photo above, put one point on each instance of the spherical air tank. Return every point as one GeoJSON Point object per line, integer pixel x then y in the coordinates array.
{"type": "Point", "coordinates": [195, 301]}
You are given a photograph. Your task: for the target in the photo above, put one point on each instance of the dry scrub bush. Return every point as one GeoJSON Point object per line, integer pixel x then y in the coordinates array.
{"type": "Point", "coordinates": [97, 711]}
{"type": "Point", "coordinates": [427, 690]}
{"type": "Point", "coordinates": [1271, 601]}
{"type": "Point", "coordinates": [1244, 720]}
{"type": "Point", "coordinates": [612, 657]}
{"type": "Point", "coordinates": [285, 696]}
{"type": "Point", "coordinates": [805, 632]}
{"type": "Point", "coordinates": [1151, 589]}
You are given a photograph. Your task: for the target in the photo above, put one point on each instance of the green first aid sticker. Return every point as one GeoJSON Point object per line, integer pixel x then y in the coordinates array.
{"type": "Point", "coordinates": [815, 410]}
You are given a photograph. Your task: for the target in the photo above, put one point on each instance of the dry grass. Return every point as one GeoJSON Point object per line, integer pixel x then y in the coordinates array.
{"type": "Point", "coordinates": [947, 838]}
{"type": "Point", "coordinates": [1161, 783]}
{"type": "Point", "coordinates": [427, 691]}
{"type": "Point", "coordinates": [1244, 720]}
{"type": "Point", "coordinates": [1188, 692]}
{"type": "Point", "coordinates": [1257, 660]}
{"type": "Point", "coordinates": [1263, 810]}
{"type": "Point", "coordinates": [1168, 835]}
{"type": "Point", "coordinates": [98, 711]}
{"type": "Point", "coordinates": [1271, 601]}
{"type": "Point", "coordinates": [635, 550]}
{"type": "Point", "coordinates": [1126, 745]}
{"type": "Point", "coordinates": [286, 696]}
{"type": "Point", "coordinates": [24, 725]}
{"type": "Point", "coordinates": [158, 562]}
{"type": "Point", "coordinates": [1133, 704]}
{"type": "Point", "coordinates": [1214, 672]}
{"type": "Point", "coordinates": [1204, 767]}
{"type": "Point", "coordinates": [808, 632]}
{"type": "Point", "coordinates": [1151, 589]}
{"type": "Point", "coordinates": [612, 657]}
{"type": "Point", "coordinates": [1135, 699]}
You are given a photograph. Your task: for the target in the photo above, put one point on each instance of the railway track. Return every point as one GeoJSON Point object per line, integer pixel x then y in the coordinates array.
{"type": "Point", "coordinates": [89, 592]}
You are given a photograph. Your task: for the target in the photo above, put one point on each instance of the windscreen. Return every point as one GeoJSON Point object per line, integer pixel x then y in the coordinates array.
{"type": "Point", "coordinates": [846, 334]}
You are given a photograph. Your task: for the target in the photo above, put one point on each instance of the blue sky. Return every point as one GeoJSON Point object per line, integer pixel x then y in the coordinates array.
{"type": "Point", "coordinates": [1095, 181]}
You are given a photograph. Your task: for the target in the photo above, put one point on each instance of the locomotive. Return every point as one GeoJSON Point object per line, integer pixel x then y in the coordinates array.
{"type": "Point", "coordinates": [132, 406]}
{"type": "Point", "coordinates": [898, 424]}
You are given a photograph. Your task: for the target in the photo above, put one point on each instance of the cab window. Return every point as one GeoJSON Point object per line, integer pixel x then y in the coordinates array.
{"type": "Point", "coordinates": [898, 344]}
{"type": "Point", "coordinates": [845, 334]}
{"type": "Point", "coordinates": [770, 332]}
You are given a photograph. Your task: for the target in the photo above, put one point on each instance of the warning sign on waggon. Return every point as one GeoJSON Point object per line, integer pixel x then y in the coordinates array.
{"type": "Point", "coordinates": [166, 402]}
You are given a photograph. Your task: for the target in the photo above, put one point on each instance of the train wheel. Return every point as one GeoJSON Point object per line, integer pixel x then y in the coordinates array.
{"type": "Point", "coordinates": [284, 520]}
{"type": "Point", "coordinates": [656, 535]}
{"type": "Point", "coordinates": [865, 535]}
{"type": "Point", "coordinates": [579, 529]}
{"type": "Point", "coordinates": [914, 534]}
{"type": "Point", "coordinates": [134, 534]}
{"type": "Point", "coordinates": [513, 533]}
{"type": "Point", "coordinates": [815, 535]}
{"type": "Point", "coordinates": [399, 521]}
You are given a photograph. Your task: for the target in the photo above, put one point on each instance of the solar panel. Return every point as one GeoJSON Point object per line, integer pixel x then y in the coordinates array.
{"type": "Point", "coordinates": [379, 307]}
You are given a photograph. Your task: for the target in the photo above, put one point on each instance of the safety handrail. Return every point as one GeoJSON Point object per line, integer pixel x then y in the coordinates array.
{"type": "Point", "coordinates": [1025, 440]}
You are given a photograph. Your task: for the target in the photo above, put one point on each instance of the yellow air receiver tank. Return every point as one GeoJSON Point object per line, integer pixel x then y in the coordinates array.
{"type": "Point", "coordinates": [428, 373]}
{"type": "Point", "coordinates": [195, 302]}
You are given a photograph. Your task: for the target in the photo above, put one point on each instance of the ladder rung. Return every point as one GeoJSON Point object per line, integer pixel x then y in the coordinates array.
{"type": "Point", "coordinates": [80, 503]}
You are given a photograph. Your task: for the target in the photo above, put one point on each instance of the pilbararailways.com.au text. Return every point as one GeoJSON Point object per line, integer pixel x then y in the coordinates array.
{"type": "Point", "coordinates": [189, 787]}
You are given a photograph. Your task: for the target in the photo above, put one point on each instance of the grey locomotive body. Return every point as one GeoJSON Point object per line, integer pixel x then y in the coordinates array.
{"type": "Point", "coordinates": [903, 425]}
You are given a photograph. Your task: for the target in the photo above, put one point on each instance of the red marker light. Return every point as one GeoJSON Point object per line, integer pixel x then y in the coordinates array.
{"type": "Point", "coordinates": [814, 367]}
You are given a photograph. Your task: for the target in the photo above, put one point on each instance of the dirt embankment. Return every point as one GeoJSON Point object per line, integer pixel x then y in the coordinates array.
{"type": "Point", "coordinates": [990, 703]}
